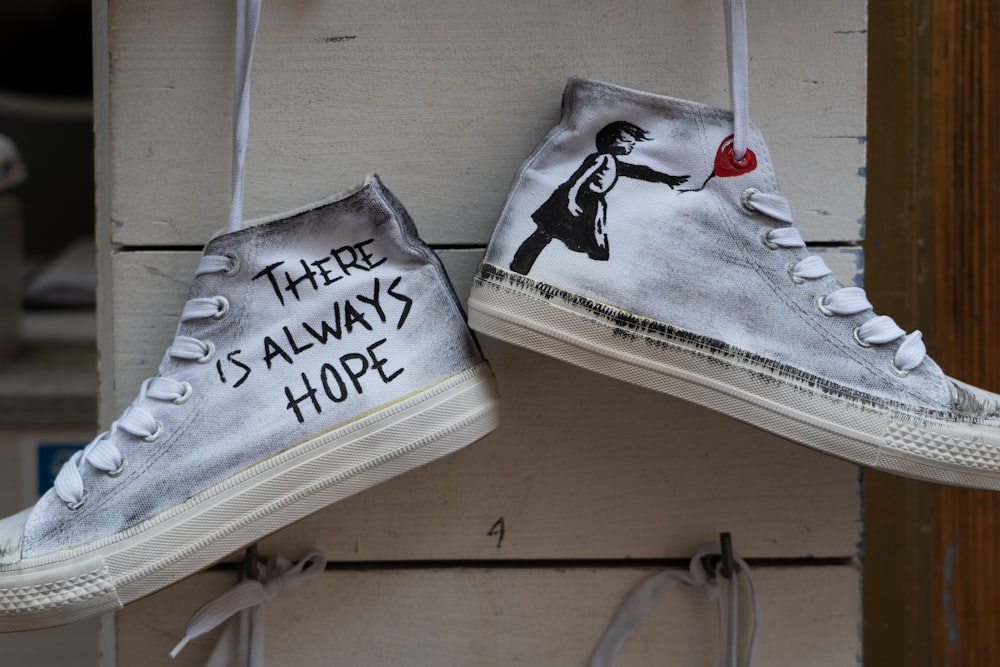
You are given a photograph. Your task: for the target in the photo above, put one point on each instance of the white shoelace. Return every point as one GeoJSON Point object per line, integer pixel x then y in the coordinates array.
{"type": "Point", "coordinates": [247, 18]}
{"type": "Point", "coordinates": [641, 602]}
{"type": "Point", "coordinates": [101, 453]}
{"type": "Point", "coordinates": [243, 607]}
{"type": "Point", "coordinates": [846, 301]}
{"type": "Point", "coordinates": [137, 420]}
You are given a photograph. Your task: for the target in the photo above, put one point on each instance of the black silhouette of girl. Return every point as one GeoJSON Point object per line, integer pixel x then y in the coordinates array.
{"type": "Point", "coordinates": [576, 213]}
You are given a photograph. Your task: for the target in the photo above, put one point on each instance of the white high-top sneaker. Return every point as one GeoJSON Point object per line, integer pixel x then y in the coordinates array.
{"type": "Point", "coordinates": [645, 238]}
{"type": "Point", "coordinates": [318, 354]}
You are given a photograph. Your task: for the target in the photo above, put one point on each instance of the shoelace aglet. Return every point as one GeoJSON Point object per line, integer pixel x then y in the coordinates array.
{"type": "Point", "coordinates": [180, 647]}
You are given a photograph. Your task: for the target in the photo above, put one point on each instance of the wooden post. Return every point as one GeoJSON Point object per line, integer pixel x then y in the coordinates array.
{"type": "Point", "coordinates": [897, 510]}
{"type": "Point", "coordinates": [965, 337]}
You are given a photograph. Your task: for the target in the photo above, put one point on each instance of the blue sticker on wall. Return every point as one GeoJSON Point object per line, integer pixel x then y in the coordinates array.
{"type": "Point", "coordinates": [51, 457]}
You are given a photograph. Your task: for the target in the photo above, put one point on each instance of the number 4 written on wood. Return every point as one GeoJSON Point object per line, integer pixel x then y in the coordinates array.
{"type": "Point", "coordinates": [497, 530]}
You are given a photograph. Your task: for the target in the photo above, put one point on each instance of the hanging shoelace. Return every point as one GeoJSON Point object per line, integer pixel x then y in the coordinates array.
{"type": "Point", "coordinates": [879, 330]}
{"type": "Point", "coordinates": [247, 18]}
{"type": "Point", "coordinates": [136, 420]}
{"type": "Point", "coordinates": [642, 600]}
{"type": "Point", "coordinates": [242, 605]}
{"type": "Point", "coordinates": [241, 608]}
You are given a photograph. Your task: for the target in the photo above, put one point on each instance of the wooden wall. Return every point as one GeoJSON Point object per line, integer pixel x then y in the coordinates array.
{"type": "Point", "coordinates": [444, 100]}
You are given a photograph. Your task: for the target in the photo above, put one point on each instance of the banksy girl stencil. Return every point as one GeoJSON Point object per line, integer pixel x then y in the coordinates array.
{"type": "Point", "coordinates": [576, 213]}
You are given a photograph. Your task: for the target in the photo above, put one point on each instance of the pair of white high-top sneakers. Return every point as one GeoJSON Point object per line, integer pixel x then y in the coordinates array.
{"type": "Point", "coordinates": [324, 351]}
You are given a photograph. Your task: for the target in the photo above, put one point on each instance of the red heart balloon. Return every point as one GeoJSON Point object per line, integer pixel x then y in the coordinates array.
{"type": "Point", "coordinates": [726, 163]}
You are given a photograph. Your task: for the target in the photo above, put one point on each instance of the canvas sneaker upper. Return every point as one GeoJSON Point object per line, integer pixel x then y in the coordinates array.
{"type": "Point", "coordinates": [334, 324]}
{"type": "Point", "coordinates": [646, 238]}
{"type": "Point", "coordinates": [698, 255]}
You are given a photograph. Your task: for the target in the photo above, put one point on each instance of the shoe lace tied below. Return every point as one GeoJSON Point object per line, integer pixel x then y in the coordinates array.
{"type": "Point", "coordinates": [137, 420]}
{"type": "Point", "coordinates": [846, 301]}
{"type": "Point", "coordinates": [641, 602]}
{"type": "Point", "coordinates": [241, 609]}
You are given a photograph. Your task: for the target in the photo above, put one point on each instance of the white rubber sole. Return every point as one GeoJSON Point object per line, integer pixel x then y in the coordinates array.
{"type": "Point", "coordinates": [807, 410]}
{"type": "Point", "coordinates": [104, 575]}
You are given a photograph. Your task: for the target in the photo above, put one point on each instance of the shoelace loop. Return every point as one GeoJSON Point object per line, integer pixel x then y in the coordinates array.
{"type": "Point", "coordinates": [137, 420]}
{"type": "Point", "coordinates": [846, 301]}
{"type": "Point", "coordinates": [242, 607]}
{"type": "Point", "coordinates": [880, 330]}
{"type": "Point", "coordinates": [642, 600]}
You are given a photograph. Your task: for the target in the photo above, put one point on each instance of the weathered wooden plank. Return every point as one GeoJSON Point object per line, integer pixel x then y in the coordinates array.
{"type": "Point", "coordinates": [74, 645]}
{"type": "Point", "coordinates": [445, 100]}
{"type": "Point", "coordinates": [484, 617]}
{"type": "Point", "coordinates": [581, 467]}
{"type": "Point", "coordinates": [964, 273]}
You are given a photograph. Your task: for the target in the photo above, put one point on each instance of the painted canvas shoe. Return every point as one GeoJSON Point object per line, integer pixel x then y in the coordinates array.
{"type": "Point", "coordinates": [646, 238]}
{"type": "Point", "coordinates": [318, 354]}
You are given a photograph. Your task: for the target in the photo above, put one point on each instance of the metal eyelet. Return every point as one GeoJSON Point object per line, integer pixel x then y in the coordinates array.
{"type": "Point", "coordinates": [80, 503]}
{"type": "Point", "coordinates": [745, 199]}
{"type": "Point", "coordinates": [795, 279]}
{"type": "Point", "coordinates": [234, 265]}
{"type": "Point", "coordinates": [188, 390]}
{"type": "Point", "coordinates": [223, 307]}
{"type": "Point", "coordinates": [155, 434]}
{"type": "Point", "coordinates": [120, 469]}
{"type": "Point", "coordinates": [857, 338]}
{"type": "Point", "coordinates": [897, 371]}
{"type": "Point", "coordinates": [764, 232]}
{"type": "Point", "coordinates": [822, 306]}
{"type": "Point", "coordinates": [209, 352]}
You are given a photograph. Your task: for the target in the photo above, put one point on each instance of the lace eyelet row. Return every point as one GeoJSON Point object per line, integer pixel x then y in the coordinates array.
{"type": "Point", "coordinates": [188, 390]}
{"type": "Point", "coordinates": [820, 301]}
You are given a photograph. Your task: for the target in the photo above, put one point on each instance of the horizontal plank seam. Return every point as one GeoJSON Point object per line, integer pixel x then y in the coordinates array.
{"type": "Point", "coordinates": [565, 564]}
{"type": "Point", "coordinates": [435, 246]}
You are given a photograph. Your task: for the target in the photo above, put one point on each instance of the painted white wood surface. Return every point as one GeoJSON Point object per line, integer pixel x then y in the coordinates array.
{"type": "Point", "coordinates": [148, 290]}
{"type": "Point", "coordinates": [74, 645]}
{"type": "Point", "coordinates": [445, 100]}
{"type": "Point", "coordinates": [482, 617]}
{"type": "Point", "coordinates": [582, 466]}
